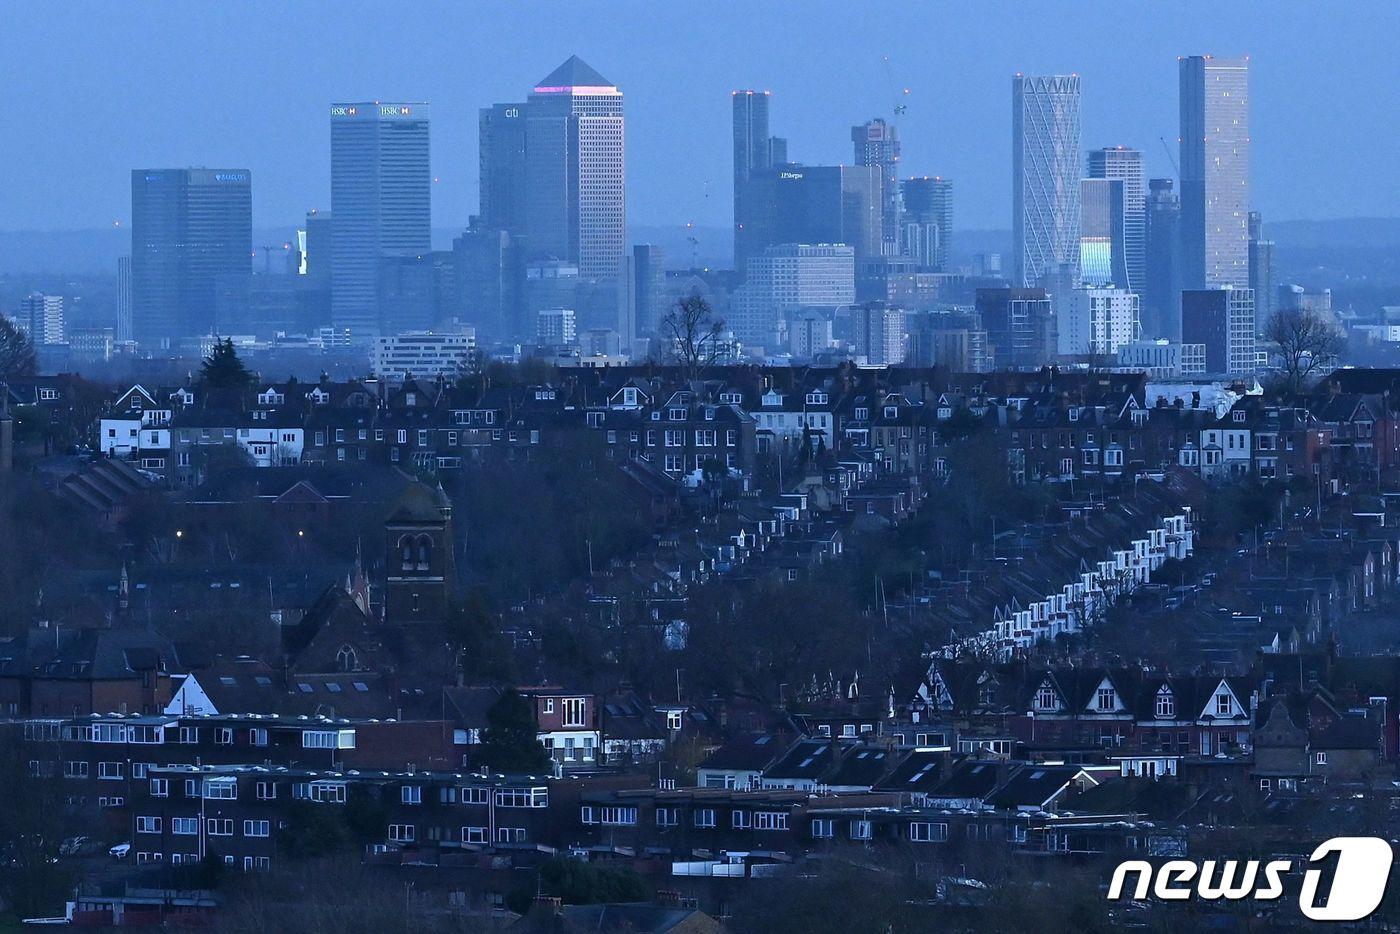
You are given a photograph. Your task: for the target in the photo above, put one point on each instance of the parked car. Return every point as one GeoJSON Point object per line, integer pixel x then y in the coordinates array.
{"type": "Point", "coordinates": [120, 850]}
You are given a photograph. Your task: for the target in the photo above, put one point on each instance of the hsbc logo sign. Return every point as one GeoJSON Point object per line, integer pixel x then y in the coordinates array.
{"type": "Point", "coordinates": [1355, 890]}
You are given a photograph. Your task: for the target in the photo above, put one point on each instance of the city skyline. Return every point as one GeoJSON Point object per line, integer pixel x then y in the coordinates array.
{"type": "Point", "coordinates": [193, 115]}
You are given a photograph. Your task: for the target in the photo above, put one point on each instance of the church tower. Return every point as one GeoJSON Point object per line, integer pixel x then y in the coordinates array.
{"type": "Point", "coordinates": [419, 570]}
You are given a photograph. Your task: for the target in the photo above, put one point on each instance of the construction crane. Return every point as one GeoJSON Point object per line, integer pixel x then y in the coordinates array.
{"type": "Point", "coordinates": [1170, 157]}
{"type": "Point", "coordinates": [900, 94]}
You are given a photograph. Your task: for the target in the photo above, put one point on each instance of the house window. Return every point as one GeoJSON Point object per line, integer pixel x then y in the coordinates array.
{"type": "Point", "coordinates": [668, 817]}
{"type": "Point", "coordinates": [704, 817]}
{"type": "Point", "coordinates": [402, 833]}
{"type": "Point", "coordinates": [860, 830]}
{"type": "Point", "coordinates": [573, 711]}
{"type": "Point", "coordinates": [184, 826]}
{"type": "Point", "coordinates": [160, 788]}
{"type": "Point", "coordinates": [112, 771]}
{"type": "Point", "coordinates": [257, 828]}
{"type": "Point", "coordinates": [219, 827]}
{"type": "Point", "coordinates": [267, 791]}
{"type": "Point", "coordinates": [673, 720]}
{"type": "Point", "coordinates": [474, 835]}
{"type": "Point", "coordinates": [823, 828]}
{"type": "Point", "coordinates": [411, 794]}
{"type": "Point", "coordinates": [147, 824]}
{"type": "Point", "coordinates": [1045, 698]}
{"type": "Point", "coordinates": [770, 820]}
{"type": "Point", "coordinates": [928, 832]}
{"type": "Point", "coordinates": [223, 736]}
{"type": "Point", "coordinates": [1222, 705]}
{"type": "Point", "coordinates": [1105, 699]}
{"type": "Point", "coordinates": [221, 788]}
{"type": "Point", "coordinates": [1320, 758]}
{"type": "Point", "coordinates": [740, 820]}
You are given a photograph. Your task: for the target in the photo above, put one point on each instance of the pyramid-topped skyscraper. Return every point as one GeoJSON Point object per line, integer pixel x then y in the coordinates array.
{"type": "Point", "coordinates": [575, 205]}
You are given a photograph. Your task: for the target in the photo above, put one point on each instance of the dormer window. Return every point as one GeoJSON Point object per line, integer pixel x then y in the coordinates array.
{"type": "Point", "coordinates": [816, 398]}
{"type": "Point", "coordinates": [1224, 706]}
{"type": "Point", "coordinates": [676, 414]}
{"type": "Point", "coordinates": [862, 413]}
{"type": "Point", "coordinates": [1074, 415]}
{"type": "Point", "coordinates": [1239, 416]}
{"type": "Point", "coordinates": [1104, 700]}
{"type": "Point", "coordinates": [891, 411]}
{"type": "Point", "coordinates": [1166, 703]}
{"type": "Point", "coordinates": [1045, 698]}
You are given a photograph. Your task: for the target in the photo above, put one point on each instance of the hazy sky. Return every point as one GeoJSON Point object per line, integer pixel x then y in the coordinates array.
{"type": "Point", "coordinates": [92, 90]}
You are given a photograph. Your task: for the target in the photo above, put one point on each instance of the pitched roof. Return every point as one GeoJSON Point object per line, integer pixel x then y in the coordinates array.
{"type": "Point", "coordinates": [574, 73]}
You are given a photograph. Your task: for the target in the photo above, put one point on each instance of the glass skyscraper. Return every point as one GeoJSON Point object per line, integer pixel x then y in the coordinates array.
{"type": "Point", "coordinates": [381, 192]}
{"type": "Point", "coordinates": [1102, 237]}
{"type": "Point", "coordinates": [189, 228]}
{"type": "Point", "coordinates": [502, 168]}
{"type": "Point", "coordinates": [1161, 297]}
{"type": "Point", "coordinates": [927, 220]}
{"type": "Point", "coordinates": [1214, 104]}
{"type": "Point", "coordinates": [1045, 172]}
{"type": "Point", "coordinates": [575, 204]}
{"type": "Point", "coordinates": [1125, 165]}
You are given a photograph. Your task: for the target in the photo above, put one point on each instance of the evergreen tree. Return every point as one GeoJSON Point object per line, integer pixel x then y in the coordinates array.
{"type": "Point", "coordinates": [222, 370]}
{"type": "Point", "coordinates": [16, 352]}
{"type": "Point", "coordinates": [510, 742]}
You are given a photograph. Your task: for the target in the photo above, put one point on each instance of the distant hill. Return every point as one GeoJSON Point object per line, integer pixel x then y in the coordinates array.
{"type": "Point", "coordinates": [95, 251]}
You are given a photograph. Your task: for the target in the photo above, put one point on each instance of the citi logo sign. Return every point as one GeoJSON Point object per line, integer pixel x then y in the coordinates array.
{"type": "Point", "coordinates": [1358, 879]}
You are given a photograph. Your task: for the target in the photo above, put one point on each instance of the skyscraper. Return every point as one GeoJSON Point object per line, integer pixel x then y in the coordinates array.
{"type": "Point", "coordinates": [575, 205]}
{"type": "Point", "coordinates": [648, 288]}
{"type": "Point", "coordinates": [1045, 173]}
{"type": "Point", "coordinates": [751, 153]}
{"type": "Point", "coordinates": [501, 156]}
{"type": "Point", "coordinates": [1125, 164]}
{"type": "Point", "coordinates": [1102, 237]}
{"type": "Point", "coordinates": [1214, 104]}
{"type": "Point", "coordinates": [1161, 295]}
{"type": "Point", "coordinates": [876, 144]}
{"type": "Point", "coordinates": [189, 228]}
{"type": "Point", "coordinates": [123, 332]}
{"type": "Point", "coordinates": [381, 190]}
{"type": "Point", "coordinates": [928, 220]}
{"type": "Point", "coordinates": [1261, 272]}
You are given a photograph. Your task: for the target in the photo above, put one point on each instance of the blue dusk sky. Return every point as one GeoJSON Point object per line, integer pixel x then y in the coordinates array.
{"type": "Point", "coordinates": [93, 90]}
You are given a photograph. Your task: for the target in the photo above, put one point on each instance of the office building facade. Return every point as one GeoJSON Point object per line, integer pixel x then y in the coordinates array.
{"type": "Point", "coordinates": [1045, 171]}
{"type": "Point", "coordinates": [381, 189]}
{"type": "Point", "coordinates": [575, 203]}
{"type": "Point", "coordinates": [1223, 320]}
{"type": "Point", "coordinates": [753, 151]}
{"type": "Point", "coordinates": [1020, 325]}
{"type": "Point", "coordinates": [1215, 142]}
{"type": "Point", "coordinates": [816, 204]}
{"type": "Point", "coordinates": [424, 355]}
{"type": "Point", "coordinates": [189, 228]}
{"type": "Point", "coordinates": [786, 278]}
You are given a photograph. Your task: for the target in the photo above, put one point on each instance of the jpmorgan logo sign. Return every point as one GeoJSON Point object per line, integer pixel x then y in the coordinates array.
{"type": "Point", "coordinates": [1360, 870]}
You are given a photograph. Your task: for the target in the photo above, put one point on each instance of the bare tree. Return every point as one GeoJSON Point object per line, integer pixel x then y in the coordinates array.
{"type": "Point", "coordinates": [16, 352]}
{"type": "Point", "coordinates": [695, 338]}
{"type": "Point", "coordinates": [1307, 342]}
